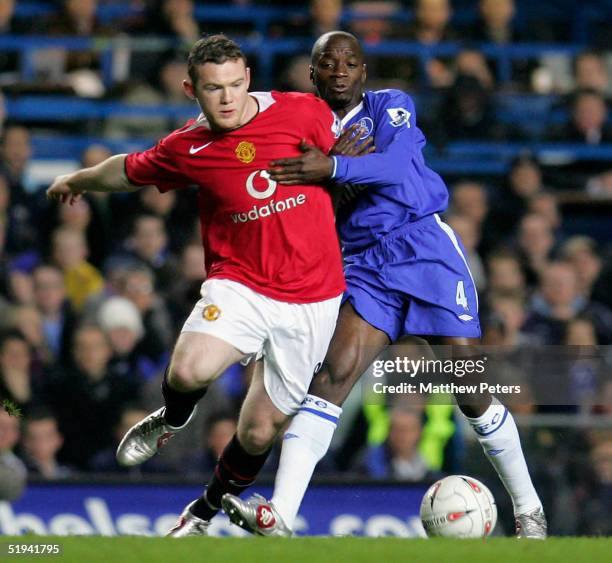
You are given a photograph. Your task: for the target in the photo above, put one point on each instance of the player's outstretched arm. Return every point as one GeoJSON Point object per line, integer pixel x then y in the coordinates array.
{"type": "Point", "coordinates": [108, 176]}
{"type": "Point", "coordinates": [313, 165]}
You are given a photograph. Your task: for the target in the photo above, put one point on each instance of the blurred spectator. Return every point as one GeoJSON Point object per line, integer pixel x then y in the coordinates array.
{"type": "Point", "coordinates": [581, 253]}
{"type": "Point", "coordinates": [432, 22]}
{"type": "Point", "coordinates": [546, 204]}
{"type": "Point", "coordinates": [588, 121]}
{"type": "Point", "coordinates": [591, 73]}
{"type": "Point", "coordinates": [466, 113]}
{"type": "Point", "coordinates": [219, 432]}
{"type": "Point", "coordinates": [58, 318]}
{"type": "Point", "coordinates": [431, 25]}
{"type": "Point", "coordinates": [594, 494]}
{"type": "Point", "coordinates": [149, 244]}
{"type": "Point", "coordinates": [76, 69]}
{"type": "Point", "coordinates": [172, 18]}
{"type": "Point", "coordinates": [586, 366]}
{"type": "Point", "coordinates": [13, 473]}
{"type": "Point", "coordinates": [469, 199]}
{"type": "Point", "coordinates": [399, 457]}
{"type": "Point", "coordinates": [105, 461]}
{"type": "Point", "coordinates": [41, 442]}
{"type": "Point", "coordinates": [510, 309]}
{"type": "Point", "coordinates": [132, 358]}
{"type": "Point", "coordinates": [600, 186]}
{"type": "Point", "coordinates": [374, 20]}
{"type": "Point", "coordinates": [164, 87]}
{"type": "Point", "coordinates": [296, 77]}
{"type": "Point", "coordinates": [505, 274]}
{"type": "Point", "coordinates": [323, 16]}
{"type": "Point", "coordinates": [69, 251]}
{"type": "Point", "coordinates": [523, 183]}
{"type": "Point", "coordinates": [9, 60]}
{"type": "Point", "coordinates": [20, 285]}
{"type": "Point", "coordinates": [495, 22]}
{"type": "Point", "coordinates": [471, 62]}
{"type": "Point", "coordinates": [174, 208]}
{"type": "Point", "coordinates": [93, 155]}
{"type": "Point", "coordinates": [85, 217]}
{"type": "Point", "coordinates": [16, 155]}
{"type": "Point", "coordinates": [88, 397]}
{"type": "Point", "coordinates": [186, 290]}
{"type": "Point", "coordinates": [16, 381]}
{"type": "Point", "coordinates": [536, 243]}
{"type": "Point", "coordinates": [28, 320]}
{"type": "Point", "coordinates": [557, 302]}
{"type": "Point", "coordinates": [137, 284]}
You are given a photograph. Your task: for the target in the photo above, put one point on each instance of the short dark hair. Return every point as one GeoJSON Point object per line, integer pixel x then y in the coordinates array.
{"type": "Point", "coordinates": [212, 49]}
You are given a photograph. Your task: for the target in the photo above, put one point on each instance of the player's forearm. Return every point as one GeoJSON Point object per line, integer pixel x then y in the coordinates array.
{"type": "Point", "coordinates": [376, 169]}
{"type": "Point", "coordinates": [108, 176]}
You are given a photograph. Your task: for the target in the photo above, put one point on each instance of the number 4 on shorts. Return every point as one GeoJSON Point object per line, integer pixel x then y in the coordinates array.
{"type": "Point", "coordinates": [460, 295]}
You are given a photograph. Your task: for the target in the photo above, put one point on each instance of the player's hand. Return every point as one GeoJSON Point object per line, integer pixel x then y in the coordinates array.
{"type": "Point", "coordinates": [350, 144]}
{"type": "Point", "coordinates": [62, 192]}
{"type": "Point", "coordinates": [312, 167]}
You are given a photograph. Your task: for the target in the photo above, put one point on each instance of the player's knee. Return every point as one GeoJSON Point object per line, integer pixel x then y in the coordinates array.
{"type": "Point", "coordinates": [256, 439]}
{"type": "Point", "coordinates": [184, 375]}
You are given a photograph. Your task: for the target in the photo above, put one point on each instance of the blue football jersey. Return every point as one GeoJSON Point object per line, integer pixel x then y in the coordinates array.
{"type": "Point", "coordinates": [392, 186]}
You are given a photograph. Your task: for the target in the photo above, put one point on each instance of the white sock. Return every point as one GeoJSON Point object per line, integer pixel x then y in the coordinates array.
{"type": "Point", "coordinates": [498, 435]}
{"type": "Point", "coordinates": [306, 441]}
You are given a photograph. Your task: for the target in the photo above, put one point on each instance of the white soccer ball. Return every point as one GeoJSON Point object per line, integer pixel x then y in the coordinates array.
{"type": "Point", "coordinates": [458, 507]}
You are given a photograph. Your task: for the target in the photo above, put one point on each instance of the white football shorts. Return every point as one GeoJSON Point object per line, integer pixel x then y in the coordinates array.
{"type": "Point", "coordinates": [292, 338]}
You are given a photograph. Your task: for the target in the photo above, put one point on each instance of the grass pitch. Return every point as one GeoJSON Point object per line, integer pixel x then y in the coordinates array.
{"type": "Point", "coordinates": [313, 549]}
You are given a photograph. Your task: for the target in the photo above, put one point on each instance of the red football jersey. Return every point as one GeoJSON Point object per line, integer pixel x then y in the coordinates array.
{"type": "Point", "coordinates": [278, 240]}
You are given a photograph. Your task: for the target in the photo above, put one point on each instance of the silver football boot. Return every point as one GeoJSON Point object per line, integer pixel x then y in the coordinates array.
{"type": "Point", "coordinates": [255, 515]}
{"type": "Point", "coordinates": [532, 525]}
{"type": "Point", "coordinates": [147, 437]}
{"type": "Point", "coordinates": [189, 525]}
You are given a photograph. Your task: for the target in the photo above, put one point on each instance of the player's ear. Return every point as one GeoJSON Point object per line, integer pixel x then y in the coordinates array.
{"type": "Point", "coordinates": [248, 77]}
{"type": "Point", "coordinates": [364, 75]}
{"type": "Point", "coordinates": [311, 73]}
{"type": "Point", "coordinates": [189, 89]}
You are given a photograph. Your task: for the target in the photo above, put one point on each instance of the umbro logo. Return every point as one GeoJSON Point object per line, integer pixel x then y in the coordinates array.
{"type": "Point", "coordinates": [194, 150]}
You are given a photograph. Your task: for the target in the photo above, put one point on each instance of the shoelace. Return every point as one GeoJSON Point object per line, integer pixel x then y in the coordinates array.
{"type": "Point", "coordinates": [150, 425]}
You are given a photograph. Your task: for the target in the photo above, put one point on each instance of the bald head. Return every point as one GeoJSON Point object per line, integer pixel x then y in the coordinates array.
{"type": "Point", "coordinates": [329, 40]}
{"type": "Point", "coordinates": [337, 70]}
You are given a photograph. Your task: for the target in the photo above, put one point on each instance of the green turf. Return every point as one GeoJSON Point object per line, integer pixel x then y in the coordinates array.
{"type": "Point", "coordinates": [311, 550]}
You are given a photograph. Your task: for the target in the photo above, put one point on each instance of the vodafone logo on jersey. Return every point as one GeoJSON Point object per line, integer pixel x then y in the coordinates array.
{"type": "Point", "coordinates": [255, 191]}
{"type": "Point", "coordinates": [259, 185]}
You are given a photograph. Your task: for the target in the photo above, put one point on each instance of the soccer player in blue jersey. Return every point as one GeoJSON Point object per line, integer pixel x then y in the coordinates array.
{"type": "Point", "coordinates": [406, 274]}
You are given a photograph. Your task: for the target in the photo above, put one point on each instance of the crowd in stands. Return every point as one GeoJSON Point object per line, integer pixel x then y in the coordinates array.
{"type": "Point", "coordinates": [92, 296]}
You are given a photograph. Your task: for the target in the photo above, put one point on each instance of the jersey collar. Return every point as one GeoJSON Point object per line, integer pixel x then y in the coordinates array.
{"type": "Point", "coordinates": [351, 113]}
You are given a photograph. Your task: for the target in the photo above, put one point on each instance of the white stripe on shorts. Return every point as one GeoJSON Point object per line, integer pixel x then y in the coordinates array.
{"type": "Point", "coordinates": [451, 235]}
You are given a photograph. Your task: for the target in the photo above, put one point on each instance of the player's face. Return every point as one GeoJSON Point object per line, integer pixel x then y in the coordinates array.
{"type": "Point", "coordinates": [338, 72]}
{"type": "Point", "coordinates": [222, 92]}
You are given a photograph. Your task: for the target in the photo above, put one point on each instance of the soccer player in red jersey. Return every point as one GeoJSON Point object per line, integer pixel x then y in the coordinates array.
{"type": "Point", "coordinates": [274, 265]}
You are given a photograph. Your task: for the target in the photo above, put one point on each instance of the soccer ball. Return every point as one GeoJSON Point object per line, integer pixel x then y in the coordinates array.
{"type": "Point", "coordinates": [458, 507]}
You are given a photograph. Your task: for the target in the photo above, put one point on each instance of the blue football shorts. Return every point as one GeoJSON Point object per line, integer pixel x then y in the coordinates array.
{"type": "Point", "coordinates": [414, 281]}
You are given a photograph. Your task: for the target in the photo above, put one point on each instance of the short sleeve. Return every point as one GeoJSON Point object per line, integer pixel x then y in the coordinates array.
{"type": "Point", "coordinates": [157, 166]}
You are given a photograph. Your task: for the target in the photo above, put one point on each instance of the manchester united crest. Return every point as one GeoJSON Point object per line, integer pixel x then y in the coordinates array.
{"type": "Point", "coordinates": [211, 312]}
{"type": "Point", "coordinates": [245, 152]}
